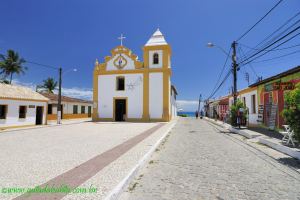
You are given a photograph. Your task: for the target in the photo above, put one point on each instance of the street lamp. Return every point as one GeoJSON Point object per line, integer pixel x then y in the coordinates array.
{"type": "Point", "coordinates": [210, 45]}
{"type": "Point", "coordinates": [59, 107]}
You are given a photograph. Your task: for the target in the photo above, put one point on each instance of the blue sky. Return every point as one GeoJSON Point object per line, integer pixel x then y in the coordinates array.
{"type": "Point", "coordinates": [74, 33]}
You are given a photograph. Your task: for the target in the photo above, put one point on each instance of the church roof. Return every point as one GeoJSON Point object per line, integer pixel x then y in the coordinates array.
{"type": "Point", "coordinates": [156, 39]}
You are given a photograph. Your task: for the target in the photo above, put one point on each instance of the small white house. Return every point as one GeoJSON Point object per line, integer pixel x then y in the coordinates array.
{"type": "Point", "coordinates": [72, 108]}
{"type": "Point", "coordinates": [249, 97]}
{"type": "Point", "coordinates": [20, 106]}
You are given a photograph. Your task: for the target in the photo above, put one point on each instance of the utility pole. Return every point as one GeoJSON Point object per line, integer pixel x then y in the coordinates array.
{"type": "Point", "coordinates": [234, 71]}
{"type": "Point", "coordinates": [59, 107]}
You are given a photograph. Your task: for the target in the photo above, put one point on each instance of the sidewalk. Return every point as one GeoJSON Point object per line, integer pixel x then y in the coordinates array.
{"type": "Point", "coordinates": [100, 155]}
{"type": "Point", "coordinates": [265, 139]}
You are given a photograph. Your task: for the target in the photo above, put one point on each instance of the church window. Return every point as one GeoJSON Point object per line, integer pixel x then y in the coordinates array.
{"type": "Point", "coordinates": [120, 83]}
{"type": "Point", "coordinates": [155, 58]}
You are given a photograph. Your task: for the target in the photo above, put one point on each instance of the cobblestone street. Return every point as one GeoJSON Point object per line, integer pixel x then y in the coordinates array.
{"type": "Point", "coordinates": [198, 161]}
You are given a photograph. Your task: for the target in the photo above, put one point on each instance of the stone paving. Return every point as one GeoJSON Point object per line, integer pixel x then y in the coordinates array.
{"type": "Point", "coordinates": [200, 161]}
{"type": "Point", "coordinates": [32, 157]}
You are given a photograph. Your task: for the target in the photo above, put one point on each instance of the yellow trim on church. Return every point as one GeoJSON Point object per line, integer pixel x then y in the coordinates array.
{"type": "Point", "coordinates": [140, 67]}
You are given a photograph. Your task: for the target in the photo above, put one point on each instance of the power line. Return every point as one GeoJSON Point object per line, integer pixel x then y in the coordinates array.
{"type": "Point", "coordinates": [241, 50]}
{"type": "Point", "coordinates": [272, 48]}
{"type": "Point", "coordinates": [36, 63]}
{"type": "Point", "coordinates": [223, 81]}
{"type": "Point", "coordinates": [294, 52]}
{"type": "Point", "coordinates": [220, 75]}
{"type": "Point", "coordinates": [289, 47]}
{"type": "Point", "coordinates": [273, 44]}
{"type": "Point", "coordinates": [260, 20]}
{"type": "Point", "coordinates": [278, 35]}
{"type": "Point", "coordinates": [278, 29]}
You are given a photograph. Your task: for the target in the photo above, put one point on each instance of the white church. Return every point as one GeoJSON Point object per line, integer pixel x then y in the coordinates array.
{"type": "Point", "coordinates": [126, 89]}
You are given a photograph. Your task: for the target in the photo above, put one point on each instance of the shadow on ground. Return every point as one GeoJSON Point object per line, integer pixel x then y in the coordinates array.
{"type": "Point", "coordinates": [291, 162]}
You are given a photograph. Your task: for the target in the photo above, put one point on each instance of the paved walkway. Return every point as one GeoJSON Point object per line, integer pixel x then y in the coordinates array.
{"type": "Point", "coordinates": [198, 161]}
{"type": "Point", "coordinates": [85, 155]}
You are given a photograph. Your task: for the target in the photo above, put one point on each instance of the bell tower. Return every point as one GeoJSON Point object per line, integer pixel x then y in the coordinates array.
{"type": "Point", "coordinates": [157, 61]}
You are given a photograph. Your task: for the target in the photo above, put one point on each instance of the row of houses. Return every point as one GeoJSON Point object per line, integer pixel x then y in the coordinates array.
{"type": "Point", "coordinates": [264, 100]}
{"type": "Point", "coordinates": [21, 106]}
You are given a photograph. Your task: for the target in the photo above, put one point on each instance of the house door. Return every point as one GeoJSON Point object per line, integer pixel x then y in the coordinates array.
{"type": "Point", "coordinates": [267, 108]}
{"type": "Point", "coordinates": [89, 111]}
{"type": "Point", "coordinates": [120, 109]}
{"type": "Point", "coordinates": [39, 115]}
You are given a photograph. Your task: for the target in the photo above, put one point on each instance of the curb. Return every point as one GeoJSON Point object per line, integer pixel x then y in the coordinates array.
{"type": "Point", "coordinates": [284, 149]}
{"type": "Point", "coordinates": [261, 139]}
{"type": "Point", "coordinates": [231, 129]}
{"type": "Point", "coordinates": [115, 193]}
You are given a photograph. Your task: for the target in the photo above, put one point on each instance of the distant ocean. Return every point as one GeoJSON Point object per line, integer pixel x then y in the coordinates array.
{"type": "Point", "coordinates": [189, 114]}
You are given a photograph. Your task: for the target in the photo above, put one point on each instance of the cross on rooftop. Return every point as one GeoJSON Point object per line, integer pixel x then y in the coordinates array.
{"type": "Point", "coordinates": [121, 39]}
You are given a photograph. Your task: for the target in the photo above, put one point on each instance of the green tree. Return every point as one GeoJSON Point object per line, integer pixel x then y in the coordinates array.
{"type": "Point", "coordinates": [11, 64]}
{"type": "Point", "coordinates": [49, 85]}
{"type": "Point", "coordinates": [234, 111]}
{"type": "Point", "coordinates": [291, 112]}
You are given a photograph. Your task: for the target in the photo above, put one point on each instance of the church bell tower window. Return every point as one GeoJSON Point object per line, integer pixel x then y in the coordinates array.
{"type": "Point", "coordinates": [155, 58]}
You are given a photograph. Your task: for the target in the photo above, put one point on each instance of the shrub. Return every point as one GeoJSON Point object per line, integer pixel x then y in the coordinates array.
{"type": "Point", "coordinates": [291, 112]}
{"type": "Point", "coordinates": [233, 112]}
{"type": "Point", "coordinates": [182, 115]}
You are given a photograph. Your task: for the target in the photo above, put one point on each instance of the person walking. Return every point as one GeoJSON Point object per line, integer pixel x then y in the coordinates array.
{"type": "Point", "coordinates": [196, 114]}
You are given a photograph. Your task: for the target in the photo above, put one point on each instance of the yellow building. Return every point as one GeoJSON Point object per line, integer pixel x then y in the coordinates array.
{"type": "Point", "coordinates": [126, 89]}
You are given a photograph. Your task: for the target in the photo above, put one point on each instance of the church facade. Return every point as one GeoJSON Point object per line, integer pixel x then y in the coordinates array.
{"type": "Point", "coordinates": [126, 89]}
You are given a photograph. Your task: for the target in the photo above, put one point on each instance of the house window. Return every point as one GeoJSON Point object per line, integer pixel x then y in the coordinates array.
{"type": "Point", "coordinates": [49, 109]}
{"type": "Point", "coordinates": [3, 111]}
{"type": "Point", "coordinates": [120, 83]}
{"type": "Point", "coordinates": [22, 112]}
{"type": "Point", "coordinates": [155, 58]}
{"type": "Point", "coordinates": [75, 109]}
{"type": "Point", "coordinates": [82, 109]}
{"type": "Point", "coordinates": [253, 102]}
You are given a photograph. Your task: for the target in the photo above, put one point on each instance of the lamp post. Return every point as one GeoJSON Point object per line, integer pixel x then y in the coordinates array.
{"type": "Point", "coordinates": [234, 65]}
{"type": "Point", "coordinates": [59, 106]}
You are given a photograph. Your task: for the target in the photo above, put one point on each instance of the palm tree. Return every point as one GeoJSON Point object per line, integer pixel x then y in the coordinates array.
{"type": "Point", "coordinates": [11, 64]}
{"type": "Point", "coordinates": [49, 85]}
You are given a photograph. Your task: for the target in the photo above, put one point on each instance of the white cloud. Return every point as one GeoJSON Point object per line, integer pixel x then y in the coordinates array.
{"type": "Point", "coordinates": [76, 92]}
{"type": "Point", "coordinates": [81, 93]}
{"type": "Point", "coordinates": [188, 105]}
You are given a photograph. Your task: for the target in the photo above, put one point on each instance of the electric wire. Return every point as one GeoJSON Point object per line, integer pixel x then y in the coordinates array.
{"type": "Point", "coordinates": [243, 35]}
{"type": "Point", "coordinates": [274, 58]}
{"type": "Point", "coordinates": [223, 68]}
{"type": "Point", "coordinates": [271, 49]}
{"type": "Point", "coordinates": [277, 36]}
{"type": "Point", "coordinates": [281, 38]}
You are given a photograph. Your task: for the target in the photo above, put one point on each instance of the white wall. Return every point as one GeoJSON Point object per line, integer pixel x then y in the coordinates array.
{"type": "Point", "coordinates": [160, 59]}
{"type": "Point", "coordinates": [129, 65]}
{"type": "Point", "coordinates": [155, 95]}
{"type": "Point", "coordinates": [173, 105]}
{"type": "Point", "coordinates": [252, 116]}
{"type": "Point", "coordinates": [68, 107]}
{"type": "Point", "coordinates": [107, 91]}
{"type": "Point", "coordinates": [12, 116]}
